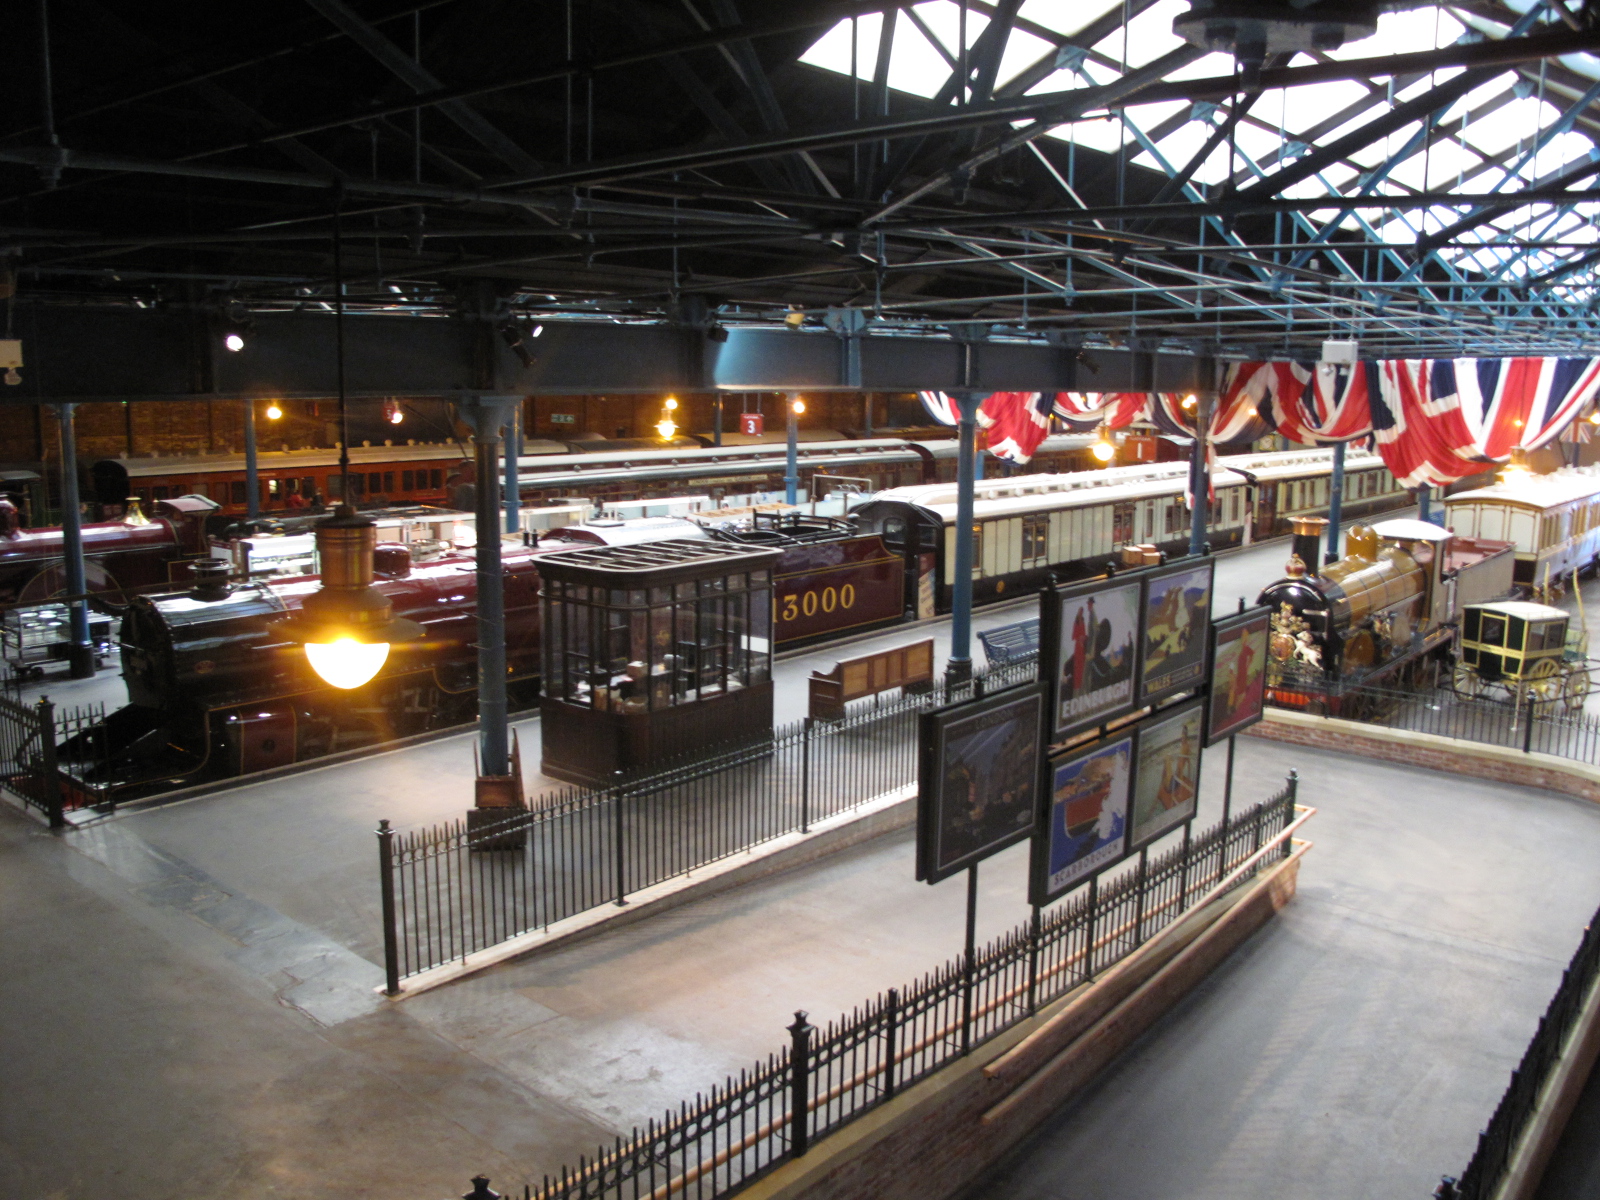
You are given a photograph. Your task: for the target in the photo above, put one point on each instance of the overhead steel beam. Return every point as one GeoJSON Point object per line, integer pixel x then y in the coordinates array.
{"type": "Point", "coordinates": [151, 355]}
{"type": "Point", "coordinates": [579, 68]}
{"type": "Point", "coordinates": [413, 75]}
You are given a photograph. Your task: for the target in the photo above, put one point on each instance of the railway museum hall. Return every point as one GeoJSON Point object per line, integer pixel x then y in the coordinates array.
{"type": "Point", "coordinates": [845, 600]}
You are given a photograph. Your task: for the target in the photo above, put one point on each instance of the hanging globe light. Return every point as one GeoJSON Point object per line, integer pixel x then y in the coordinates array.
{"type": "Point", "coordinates": [347, 625]}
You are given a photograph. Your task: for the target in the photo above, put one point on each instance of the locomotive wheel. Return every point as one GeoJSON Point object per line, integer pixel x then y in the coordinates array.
{"type": "Point", "coordinates": [1576, 689]}
{"type": "Point", "coordinates": [1466, 682]}
{"type": "Point", "coordinates": [1544, 685]}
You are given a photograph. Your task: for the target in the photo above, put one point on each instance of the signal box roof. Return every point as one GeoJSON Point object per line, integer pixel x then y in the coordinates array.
{"type": "Point", "coordinates": [652, 564]}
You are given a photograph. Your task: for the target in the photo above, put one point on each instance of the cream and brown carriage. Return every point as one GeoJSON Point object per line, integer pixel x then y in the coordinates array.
{"type": "Point", "coordinates": [1525, 648]}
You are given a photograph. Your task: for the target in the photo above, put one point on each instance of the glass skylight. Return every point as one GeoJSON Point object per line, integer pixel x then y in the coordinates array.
{"type": "Point", "coordinates": [1486, 134]}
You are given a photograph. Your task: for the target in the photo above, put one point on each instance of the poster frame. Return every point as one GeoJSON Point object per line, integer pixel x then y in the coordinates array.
{"type": "Point", "coordinates": [933, 730]}
{"type": "Point", "coordinates": [1039, 891]}
{"type": "Point", "coordinates": [1221, 626]}
{"type": "Point", "coordinates": [1174, 712]}
{"type": "Point", "coordinates": [1183, 566]}
{"type": "Point", "coordinates": [1051, 635]}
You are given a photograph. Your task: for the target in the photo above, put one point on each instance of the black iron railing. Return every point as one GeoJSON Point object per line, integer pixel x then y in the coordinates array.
{"type": "Point", "coordinates": [451, 891]}
{"type": "Point", "coordinates": [32, 764]}
{"type": "Point", "coordinates": [1540, 727]}
{"type": "Point", "coordinates": [1499, 1140]}
{"type": "Point", "coordinates": [826, 1077]}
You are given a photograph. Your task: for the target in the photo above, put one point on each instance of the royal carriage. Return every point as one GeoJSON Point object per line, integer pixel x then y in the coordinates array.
{"type": "Point", "coordinates": [1528, 649]}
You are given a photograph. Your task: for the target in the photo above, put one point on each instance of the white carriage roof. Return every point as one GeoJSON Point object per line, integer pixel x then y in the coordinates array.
{"type": "Point", "coordinates": [713, 455]}
{"type": "Point", "coordinates": [1525, 609]}
{"type": "Point", "coordinates": [1536, 491]}
{"type": "Point", "coordinates": [1019, 494]}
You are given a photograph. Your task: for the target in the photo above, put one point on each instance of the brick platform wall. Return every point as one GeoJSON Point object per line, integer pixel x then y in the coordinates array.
{"type": "Point", "coordinates": [1497, 763]}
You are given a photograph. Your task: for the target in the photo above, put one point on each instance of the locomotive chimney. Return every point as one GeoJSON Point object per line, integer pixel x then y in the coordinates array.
{"type": "Point", "coordinates": [1308, 541]}
{"type": "Point", "coordinates": [211, 579]}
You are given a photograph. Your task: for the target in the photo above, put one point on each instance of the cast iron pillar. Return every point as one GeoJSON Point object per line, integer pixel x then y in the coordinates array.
{"type": "Point", "coordinates": [252, 483]}
{"type": "Point", "coordinates": [1423, 494]}
{"type": "Point", "coordinates": [1335, 502]}
{"type": "Point", "coordinates": [1199, 483]}
{"type": "Point", "coordinates": [80, 651]}
{"type": "Point", "coordinates": [791, 461]}
{"type": "Point", "coordinates": [959, 669]}
{"type": "Point", "coordinates": [488, 415]}
{"type": "Point", "coordinates": [513, 489]}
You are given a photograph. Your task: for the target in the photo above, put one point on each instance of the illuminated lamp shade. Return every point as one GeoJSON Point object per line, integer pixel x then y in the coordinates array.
{"type": "Point", "coordinates": [666, 427]}
{"type": "Point", "coordinates": [672, 404]}
{"type": "Point", "coordinates": [347, 625]}
{"type": "Point", "coordinates": [799, 407]}
{"type": "Point", "coordinates": [233, 342]}
{"type": "Point", "coordinates": [273, 411]}
{"type": "Point", "coordinates": [1517, 468]}
{"type": "Point", "coordinates": [1103, 451]}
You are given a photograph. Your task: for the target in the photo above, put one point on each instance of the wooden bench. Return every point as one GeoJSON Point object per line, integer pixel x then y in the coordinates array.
{"type": "Point", "coordinates": [909, 667]}
{"type": "Point", "coordinates": [1011, 643]}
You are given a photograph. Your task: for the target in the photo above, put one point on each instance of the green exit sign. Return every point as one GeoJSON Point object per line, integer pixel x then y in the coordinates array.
{"type": "Point", "coordinates": [563, 419]}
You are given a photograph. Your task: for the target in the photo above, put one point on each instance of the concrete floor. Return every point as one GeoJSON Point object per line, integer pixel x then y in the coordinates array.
{"type": "Point", "coordinates": [188, 997]}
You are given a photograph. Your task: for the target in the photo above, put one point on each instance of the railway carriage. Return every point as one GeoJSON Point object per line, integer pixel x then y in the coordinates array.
{"type": "Point", "coordinates": [1553, 520]}
{"type": "Point", "coordinates": [1030, 527]}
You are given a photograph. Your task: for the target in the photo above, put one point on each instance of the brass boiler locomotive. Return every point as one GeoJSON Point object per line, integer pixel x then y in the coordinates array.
{"type": "Point", "coordinates": [1391, 601]}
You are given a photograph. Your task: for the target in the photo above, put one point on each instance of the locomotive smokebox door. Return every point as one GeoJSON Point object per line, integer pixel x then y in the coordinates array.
{"type": "Point", "coordinates": [653, 651]}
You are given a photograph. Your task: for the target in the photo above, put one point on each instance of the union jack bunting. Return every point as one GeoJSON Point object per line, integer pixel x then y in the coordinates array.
{"type": "Point", "coordinates": [1422, 434]}
{"type": "Point", "coordinates": [1014, 423]}
{"type": "Point", "coordinates": [1510, 402]}
{"type": "Point", "coordinates": [941, 407]}
{"type": "Point", "coordinates": [1084, 411]}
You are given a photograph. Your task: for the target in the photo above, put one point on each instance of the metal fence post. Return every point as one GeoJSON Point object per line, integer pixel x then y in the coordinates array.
{"type": "Point", "coordinates": [799, 1085]}
{"type": "Point", "coordinates": [48, 765]}
{"type": "Point", "coordinates": [891, 1027]}
{"type": "Point", "coordinates": [1289, 803]}
{"type": "Point", "coordinates": [1033, 962]}
{"type": "Point", "coordinates": [618, 833]}
{"type": "Point", "coordinates": [1138, 899]}
{"type": "Point", "coordinates": [391, 931]}
{"type": "Point", "coordinates": [805, 777]}
{"type": "Point", "coordinates": [1527, 730]}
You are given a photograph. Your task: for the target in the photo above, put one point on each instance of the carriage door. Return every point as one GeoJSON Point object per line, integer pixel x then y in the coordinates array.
{"type": "Point", "coordinates": [1266, 510]}
{"type": "Point", "coordinates": [902, 541]}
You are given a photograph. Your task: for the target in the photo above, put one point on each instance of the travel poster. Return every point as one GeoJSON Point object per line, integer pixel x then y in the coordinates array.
{"type": "Point", "coordinates": [1177, 621]}
{"type": "Point", "coordinates": [1086, 816]}
{"type": "Point", "coordinates": [978, 785]}
{"type": "Point", "coordinates": [1098, 628]}
{"type": "Point", "coordinates": [1167, 783]}
{"type": "Point", "coordinates": [1238, 673]}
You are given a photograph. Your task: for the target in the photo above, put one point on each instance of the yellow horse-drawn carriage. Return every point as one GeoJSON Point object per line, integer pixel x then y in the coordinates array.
{"type": "Point", "coordinates": [1525, 648]}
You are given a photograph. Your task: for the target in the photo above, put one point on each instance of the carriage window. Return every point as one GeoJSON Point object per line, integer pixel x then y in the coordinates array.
{"type": "Point", "coordinates": [273, 488]}
{"type": "Point", "coordinates": [1494, 630]}
{"type": "Point", "coordinates": [435, 480]}
{"type": "Point", "coordinates": [408, 481]}
{"type": "Point", "coordinates": [237, 488]}
{"type": "Point", "coordinates": [1035, 539]}
{"type": "Point", "coordinates": [388, 481]}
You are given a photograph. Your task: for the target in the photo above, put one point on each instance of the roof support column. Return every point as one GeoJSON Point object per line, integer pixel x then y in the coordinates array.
{"type": "Point", "coordinates": [80, 651]}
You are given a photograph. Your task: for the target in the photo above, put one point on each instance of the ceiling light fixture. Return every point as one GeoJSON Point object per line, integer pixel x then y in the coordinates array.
{"type": "Point", "coordinates": [347, 625]}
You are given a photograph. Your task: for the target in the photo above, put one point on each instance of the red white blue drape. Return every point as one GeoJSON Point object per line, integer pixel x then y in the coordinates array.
{"type": "Point", "coordinates": [1433, 420]}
